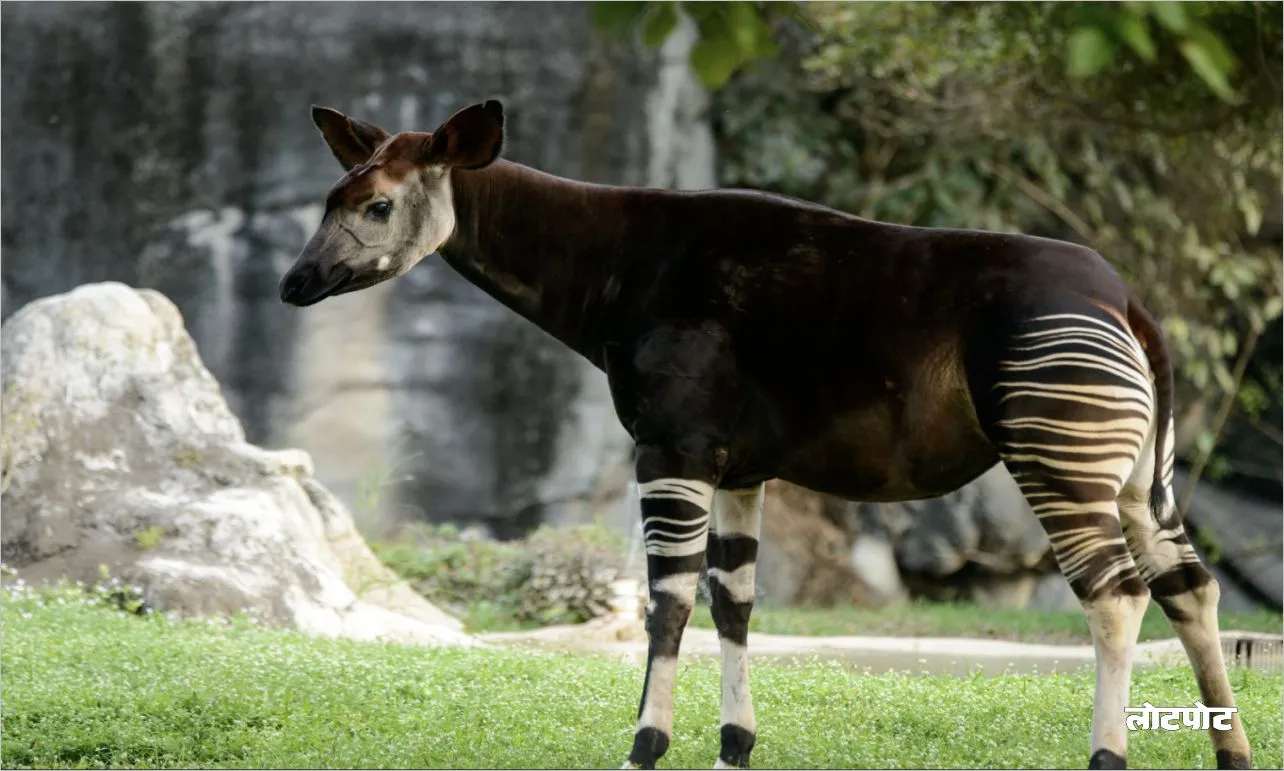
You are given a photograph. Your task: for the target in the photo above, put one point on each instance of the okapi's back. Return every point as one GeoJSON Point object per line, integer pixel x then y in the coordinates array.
{"type": "Point", "coordinates": [773, 256]}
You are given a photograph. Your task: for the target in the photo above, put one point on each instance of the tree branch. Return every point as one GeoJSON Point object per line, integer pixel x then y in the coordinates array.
{"type": "Point", "coordinates": [1048, 201]}
{"type": "Point", "coordinates": [1219, 421]}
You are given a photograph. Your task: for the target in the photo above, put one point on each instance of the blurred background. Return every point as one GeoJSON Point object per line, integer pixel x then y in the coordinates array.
{"type": "Point", "coordinates": [168, 145]}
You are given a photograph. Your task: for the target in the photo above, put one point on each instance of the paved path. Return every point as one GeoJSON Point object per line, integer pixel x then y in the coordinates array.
{"type": "Point", "coordinates": [925, 655]}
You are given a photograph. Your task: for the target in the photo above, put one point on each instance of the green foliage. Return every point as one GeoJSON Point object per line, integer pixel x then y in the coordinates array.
{"type": "Point", "coordinates": [1108, 31]}
{"type": "Point", "coordinates": [555, 576]}
{"type": "Point", "coordinates": [188, 458]}
{"type": "Point", "coordinates": [382, 474]}
{"type": "Point", "coordinates": [963, 115]}
{"type": "Point", "coordinates": [733, 34]}
{"type": "Point", "coordinates": [149, 538]}
{"type": "Point", "coordinates": [108, 592]}
{"type": "Point", "coordinates": [455, 573]}
{"type": "Point", "coordinates": [728, 34]}
{"type": "Point", "coordinates": [83, 688]}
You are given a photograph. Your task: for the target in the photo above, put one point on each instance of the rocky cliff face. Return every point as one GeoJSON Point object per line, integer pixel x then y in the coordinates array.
{"type": "Point", "coordinates": [169, 146]}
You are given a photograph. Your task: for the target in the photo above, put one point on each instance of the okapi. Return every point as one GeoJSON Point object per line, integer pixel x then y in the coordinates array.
{"type": "Point", "coordinates": [748, 336]}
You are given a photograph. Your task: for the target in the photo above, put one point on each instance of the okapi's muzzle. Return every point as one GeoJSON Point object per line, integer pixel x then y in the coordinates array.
{"type": "Point", "coordinates": [307, 283]}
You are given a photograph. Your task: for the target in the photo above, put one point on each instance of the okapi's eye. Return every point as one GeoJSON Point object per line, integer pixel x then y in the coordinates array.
{"type": "Point", "coordinates": [379, 210]}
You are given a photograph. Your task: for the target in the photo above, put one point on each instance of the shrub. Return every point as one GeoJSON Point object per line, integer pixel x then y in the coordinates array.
{"type": "Point", "coordinates": [555, 576]}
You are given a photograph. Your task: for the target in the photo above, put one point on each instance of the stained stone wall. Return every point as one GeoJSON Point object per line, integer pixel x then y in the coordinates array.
{"type": "Point", "coordinates": [168, 145]}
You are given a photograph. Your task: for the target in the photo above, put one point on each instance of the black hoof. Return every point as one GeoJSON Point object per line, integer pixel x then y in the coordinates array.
{"type": "Point", "coordinates": [1228, 759]}
{"type": "Point", "coordinates": [1107, 759]}
{"type": "Point", "coordinates": [737, 743]}
{"type": "Point", "coordinates": [649, 745]}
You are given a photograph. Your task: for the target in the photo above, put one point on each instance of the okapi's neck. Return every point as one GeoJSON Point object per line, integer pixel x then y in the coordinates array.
{"type": "Point", "coordinates": [544, 246]}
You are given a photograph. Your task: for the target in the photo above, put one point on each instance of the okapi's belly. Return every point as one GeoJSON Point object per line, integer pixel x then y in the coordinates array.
{"type": "Point", "coordinates": [918, 443]}
{"type": "Point", "coordinates": [849, 468]}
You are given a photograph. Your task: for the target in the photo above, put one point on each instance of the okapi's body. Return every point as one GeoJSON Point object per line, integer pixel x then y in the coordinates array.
{"type": "Point", "coordinates": [838, 348]}
{"type": "Point", "coordinates": [748, 337]}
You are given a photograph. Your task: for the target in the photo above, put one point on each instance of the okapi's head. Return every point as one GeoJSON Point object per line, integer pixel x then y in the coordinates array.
{"type": "Point", "coordinates": [394, 206]}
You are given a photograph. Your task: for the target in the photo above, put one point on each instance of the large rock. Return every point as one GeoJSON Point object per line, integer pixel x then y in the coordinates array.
{"type": "Point", "coordinates": [168, 145]}
{"type": "Point", "coordinates": [1241, 538]}
{"type": "Point", "coordinates": [119, 450]}
{"type": "Point", "coordinates": [980, 543]}
{"type": "Point", "coordinates": [803, 557]}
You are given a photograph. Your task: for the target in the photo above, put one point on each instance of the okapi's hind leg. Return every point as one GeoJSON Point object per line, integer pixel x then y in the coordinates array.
{"type": "Point", "coordinates": [1187, 592]}
{"type": "Point", "coordinates": [733, 553]}
{"type": "Point", "coordinates": [1072, 405]}
{"type": "Point", "coordinates": [1089, 546]}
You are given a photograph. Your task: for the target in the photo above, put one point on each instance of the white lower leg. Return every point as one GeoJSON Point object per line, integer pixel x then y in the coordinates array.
{"type": "Point", "coordinates": [1115, 622]}
{"type": "Point", "coordinates": [737, 703]}
{"type": "Point", "coordinates": [657, 707]}
{"type": "Point", "coordinates": [1194, 618]}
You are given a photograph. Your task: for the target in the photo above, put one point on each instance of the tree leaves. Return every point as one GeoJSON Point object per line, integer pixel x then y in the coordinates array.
{"type": "Point", "coordinates": [660, 22]}
{"type": "Point", "coordinates": [1088, 50]}
{"type": "Point", "coordinates": [1133, 30]}
{"type": "Point", "coordinates": [1210, 59]}
{"type": "Point", "coordinates": [616, 18]}
{"type": "Point", "coordinates": [1170, 14]}
{"type": "Point", "coordinates": [735, 33]}
{"type": "Point", "coordinates": [715, 58]}
{"type": "Point", "coordinates": [729, 34]}
{"type": "Point", "coordinates": [1092, 45]}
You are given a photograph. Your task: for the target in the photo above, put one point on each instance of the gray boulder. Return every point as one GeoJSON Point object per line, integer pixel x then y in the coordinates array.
{"type": "Point", "coordinates": [1242, 539]}
{"type": "Point", "coordinates": [980, 543]}
{"type": "Point", "coordinates": [987, 522]}
{"type": "Point", "coordinates": [120, 450]}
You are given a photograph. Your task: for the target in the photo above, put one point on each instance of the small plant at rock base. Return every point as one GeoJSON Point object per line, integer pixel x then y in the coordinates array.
{"type": "Point", "coordinates": [113, 592]}
{"type": "Point", "coordinates": [570, 576]}
{"type": "Point", "coordinates": [453, 573]}
{"type": "Point", "coordinates": [110, 591]}
{"type": "Point", "coordinates": [149, 538]}
{"type": "Point", "coordinates": [188, 458]}
{"type": "Point", "coordinates": [555, 576]}
{"type": "Point", "coordinates": [384, 473]}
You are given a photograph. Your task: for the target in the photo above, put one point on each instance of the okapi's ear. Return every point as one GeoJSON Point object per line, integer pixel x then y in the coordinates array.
{"type": "Point", "coordinates": [470, 139]}
{"type": "Point", "coordinates": [352, 141]}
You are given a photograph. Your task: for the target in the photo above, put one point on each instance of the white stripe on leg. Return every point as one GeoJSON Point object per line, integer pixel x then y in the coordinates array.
{"type": "Point", "coordinates": [740, 512]}
{"type": "Point", "coordinates": [738, 582]}
{"type": "Point", "coordinates": [692, 491]}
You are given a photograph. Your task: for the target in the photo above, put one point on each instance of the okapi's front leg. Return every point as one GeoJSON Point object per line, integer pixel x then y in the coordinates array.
{"type": "Point", "coordinates": [733, 553]}
{"type": "Point", "coordinates": [676, 500]}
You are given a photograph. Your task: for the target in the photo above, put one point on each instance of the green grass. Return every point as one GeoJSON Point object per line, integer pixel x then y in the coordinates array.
{"type": "Point", "coordinates": [85, 686]}
{"type": "Point", "coordinates": [962, 620]}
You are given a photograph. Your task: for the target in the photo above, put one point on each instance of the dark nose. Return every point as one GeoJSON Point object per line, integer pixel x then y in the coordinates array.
{"type": "Point", "coordinates": [292, 285]}
{"type": "Point", "coordinates": [307, 284]}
